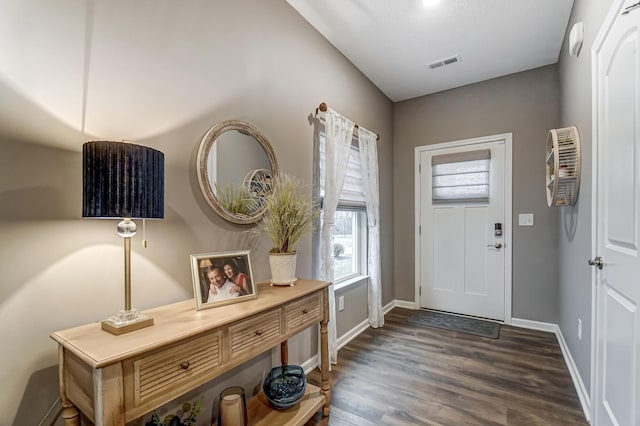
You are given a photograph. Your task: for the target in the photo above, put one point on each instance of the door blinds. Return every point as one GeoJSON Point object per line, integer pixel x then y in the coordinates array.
{"type": "Point", "coordinates": [461, 177]}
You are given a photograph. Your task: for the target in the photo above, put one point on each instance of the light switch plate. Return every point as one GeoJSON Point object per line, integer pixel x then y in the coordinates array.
{"type": "Point", "coordinates": [525, 219]}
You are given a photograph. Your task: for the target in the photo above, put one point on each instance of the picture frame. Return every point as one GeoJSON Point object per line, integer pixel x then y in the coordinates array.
{"type": "Point", "coordinates": [222, 278]}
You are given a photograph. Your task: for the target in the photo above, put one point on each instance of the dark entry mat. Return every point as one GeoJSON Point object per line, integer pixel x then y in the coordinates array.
{"type": "Point", "coordinates": [456, 323]}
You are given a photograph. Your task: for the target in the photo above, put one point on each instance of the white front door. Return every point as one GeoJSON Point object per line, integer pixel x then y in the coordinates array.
{"type": "Point", "coordinates": [461, 262]}
{"type": "Point", "coordinates": [617, 199]}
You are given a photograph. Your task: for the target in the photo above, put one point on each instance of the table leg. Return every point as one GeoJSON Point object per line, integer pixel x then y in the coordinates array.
{"type": "Point", "coordinates": [324, 355]}
{"type": "Point", "coordinates": [70, 413]}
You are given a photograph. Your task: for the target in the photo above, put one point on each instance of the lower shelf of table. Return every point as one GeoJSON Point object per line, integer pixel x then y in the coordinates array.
{"type": "Point", "coordinates": [262, 413]}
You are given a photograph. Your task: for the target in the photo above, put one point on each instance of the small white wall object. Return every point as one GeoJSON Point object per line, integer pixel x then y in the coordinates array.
{"type": "Point", "coordinates": [525, 219]}
{"type": "Point", "coordinates": [575, 39]}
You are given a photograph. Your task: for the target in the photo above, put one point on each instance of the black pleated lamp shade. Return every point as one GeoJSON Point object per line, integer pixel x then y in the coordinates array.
{"type": "Point", "coordinates": [122, 180]}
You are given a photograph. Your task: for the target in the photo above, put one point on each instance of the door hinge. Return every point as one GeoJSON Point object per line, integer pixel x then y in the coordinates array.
{"type": "Point", "coordinates": [419, 229]}
{"type": "Point", "coordinates": [419, 168]}
{"type": "Point", "coordinates": [419, 291]}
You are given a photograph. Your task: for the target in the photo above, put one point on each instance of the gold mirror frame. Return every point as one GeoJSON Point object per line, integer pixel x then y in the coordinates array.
{"type": "Point", "coordinates": [204, 180]}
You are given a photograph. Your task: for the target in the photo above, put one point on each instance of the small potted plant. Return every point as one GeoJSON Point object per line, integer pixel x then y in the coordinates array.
{"type": "Point", "coordinates": [289, 217]}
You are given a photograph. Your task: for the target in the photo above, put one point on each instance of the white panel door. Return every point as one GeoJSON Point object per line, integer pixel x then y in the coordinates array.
{"type": "Point", "coordinates": [462, 260]}
{"type": "Point", "coordinates": [617, 198]}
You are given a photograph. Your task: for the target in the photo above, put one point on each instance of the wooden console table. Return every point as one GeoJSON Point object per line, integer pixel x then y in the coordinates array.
{"type": "Point", "coordinates": [113, 379]}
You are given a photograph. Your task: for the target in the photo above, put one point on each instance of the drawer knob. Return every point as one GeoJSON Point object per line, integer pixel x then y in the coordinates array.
{"type": "Point", "coordinates": [305, 311]}
{"type": "Point", "coordinates": [184, 365]}
{"type": "Point", "coordinates": [259, 332]}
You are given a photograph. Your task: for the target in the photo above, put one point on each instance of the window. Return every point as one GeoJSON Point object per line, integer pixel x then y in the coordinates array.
{"type": "Point", "coordinates": [350, 232]}
{"type": "Point", "coordinates": [461, 177]}
{"type": "Point", "coordinates": [349, 247]}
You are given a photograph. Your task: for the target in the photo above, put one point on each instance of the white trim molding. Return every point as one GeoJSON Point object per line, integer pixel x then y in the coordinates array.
{"type": "Point", "coordinates": [405, 304]}
{"type": "Point", "coordinates": [355, 331]}
{"type": "Point", "coordinates": [583, 393]}
{"type": "Point", "coordinates": [309, 365]}
{"type": "Point", "coordinates": [508, 212]}
{"type": "Point", "coordinates": [534, 325]}
{"type": "Point", "coordinates": [389, 306]}
{"type": "Point", "coordinates": [312, 362]}
{"type": "Point", "coordinates": [581, 390]}
{"type": "Point", "coordinates": [352, 334]}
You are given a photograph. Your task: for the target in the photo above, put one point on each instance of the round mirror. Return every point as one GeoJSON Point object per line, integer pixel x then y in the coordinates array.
{"type": "Point", "coordinates": [236, 164]}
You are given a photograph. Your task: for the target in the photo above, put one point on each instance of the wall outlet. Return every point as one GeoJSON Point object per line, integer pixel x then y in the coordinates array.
{"type": "Point", "coordinates": [340, 303]}
{"type": "Point", "coordinates": [579, 329]}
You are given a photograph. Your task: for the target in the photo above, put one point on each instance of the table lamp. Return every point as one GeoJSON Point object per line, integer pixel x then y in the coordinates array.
{"type": "Point", "coordinates": [123, 180]}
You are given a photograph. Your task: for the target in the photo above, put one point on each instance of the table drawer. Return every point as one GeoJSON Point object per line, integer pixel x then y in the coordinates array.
{"type": "Point", "coordinates": [254, 333]}
{"type": "Point", "coordinates": [157, 374]}
{"type": "Point", "coordinates": [301, 313]}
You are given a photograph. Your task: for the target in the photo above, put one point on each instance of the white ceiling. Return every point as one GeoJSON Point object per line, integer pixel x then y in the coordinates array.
{"type": "Point", "coordinates": [393, 41]}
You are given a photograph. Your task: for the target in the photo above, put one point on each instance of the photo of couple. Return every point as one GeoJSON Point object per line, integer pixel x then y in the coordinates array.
{"type": "Point", "coordinates": [222, 278]}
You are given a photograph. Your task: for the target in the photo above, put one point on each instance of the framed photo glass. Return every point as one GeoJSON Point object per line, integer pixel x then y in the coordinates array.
{"type": "Point", "coordinates": [222, 278]}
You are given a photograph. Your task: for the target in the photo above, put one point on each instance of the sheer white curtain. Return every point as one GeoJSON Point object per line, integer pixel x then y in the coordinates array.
{"type": "Point", "coordinates": [338, 134]}
{"type": "Point", "coordinates": [369, 165]}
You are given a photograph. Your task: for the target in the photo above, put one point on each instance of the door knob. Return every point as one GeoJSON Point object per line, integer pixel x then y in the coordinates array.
{"type": "Point", "coordinates": [496, 245]}
{"type": "Point", "coordinates": [596, 262]}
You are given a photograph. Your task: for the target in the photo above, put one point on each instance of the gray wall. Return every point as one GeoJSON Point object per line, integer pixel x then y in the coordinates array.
{"type": "Point", "coordinates": [75, 71]}
{"type": "Point", "coordinates": [575, 245]}
{"type": "Point", "coordinates": [353, 312]}
{"type": "Point", "coordinates": [526, 104]}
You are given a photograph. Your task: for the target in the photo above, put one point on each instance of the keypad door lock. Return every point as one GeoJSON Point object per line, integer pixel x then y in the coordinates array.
{"type": "Point", "coordinates": [497, 229]}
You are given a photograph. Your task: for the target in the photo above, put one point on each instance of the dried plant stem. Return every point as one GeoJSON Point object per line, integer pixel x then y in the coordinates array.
{"type": "Point", "coordinates": [289, 214]}
{"type": "Point", "coordinates": [236, 199]}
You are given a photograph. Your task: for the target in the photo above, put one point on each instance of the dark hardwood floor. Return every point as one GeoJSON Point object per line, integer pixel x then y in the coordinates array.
{"type": "Point", "coordinates": [409, 374]}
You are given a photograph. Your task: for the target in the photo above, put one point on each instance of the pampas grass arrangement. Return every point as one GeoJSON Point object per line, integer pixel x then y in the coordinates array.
{"type": "Point", "coordinates": [237, 199]}
{"type": "Point", "coordinates": [289, 214]}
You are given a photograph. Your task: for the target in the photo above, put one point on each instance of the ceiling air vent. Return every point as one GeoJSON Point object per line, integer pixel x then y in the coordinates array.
{"type": "Point", "coordinates": [445, 61]}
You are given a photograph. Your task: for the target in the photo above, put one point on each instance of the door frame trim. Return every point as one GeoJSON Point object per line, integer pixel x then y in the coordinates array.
{"type": "Point", "coordinates": [508, 206]}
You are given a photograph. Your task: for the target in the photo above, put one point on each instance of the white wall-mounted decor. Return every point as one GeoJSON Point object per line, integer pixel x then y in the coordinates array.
{"type": "Point", "coordinates": [575, 38]}
{"type": "Point", "coordinates": [563, 166]}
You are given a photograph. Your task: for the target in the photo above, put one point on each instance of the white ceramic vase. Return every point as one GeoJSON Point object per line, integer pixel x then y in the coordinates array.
{"type": "Point", "coordinates": [283, 268]}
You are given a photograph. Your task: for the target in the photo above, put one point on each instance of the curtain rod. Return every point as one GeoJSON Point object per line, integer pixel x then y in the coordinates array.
{"type": "Point", "coordinates": [323, 108]}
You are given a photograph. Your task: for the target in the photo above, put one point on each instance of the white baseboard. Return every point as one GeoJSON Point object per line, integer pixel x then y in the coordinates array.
{"type": "Point", "coordinates": [405, 304]}
{"type": "Point", "coordinates": [310, 364]}
{"type": "Point", "coordinates": [534, 325]}
{"type": "Point", "coordinates": [389, 306]}
{"type": "Point", "coordinates": [352, 334]}
{"type": "Point", "coordinates": [581, 389]}
{"type": "Point", "coordinates": [355, 331]}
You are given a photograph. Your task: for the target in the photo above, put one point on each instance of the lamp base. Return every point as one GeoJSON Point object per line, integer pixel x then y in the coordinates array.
{"type": "Point", "coordinates": [126, 321]}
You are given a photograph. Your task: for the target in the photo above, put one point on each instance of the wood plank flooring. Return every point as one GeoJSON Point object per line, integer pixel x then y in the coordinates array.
{"type": "Point", "coordinates": [409, 374]}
